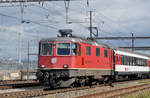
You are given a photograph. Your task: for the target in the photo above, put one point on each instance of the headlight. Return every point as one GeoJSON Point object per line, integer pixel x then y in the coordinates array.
{"type": "Point", "coordinates": [53, 60]}
{"type": "Point", "coordinates": [65, 66]}
{"type": "Point", "coordinates": [42, 66]}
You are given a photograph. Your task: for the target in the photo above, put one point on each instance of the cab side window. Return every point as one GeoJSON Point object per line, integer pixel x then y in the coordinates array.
{"type": "Point", "coordinates": [79, 49]}
{"type": "Point", "coordinates": [74, 49]}
{"type": "Point", "coordinates": [105, 53]}
{"type": "Point", "coordinates": [88, 50]}
{"type": "Point", "coordinates": [97, 51]}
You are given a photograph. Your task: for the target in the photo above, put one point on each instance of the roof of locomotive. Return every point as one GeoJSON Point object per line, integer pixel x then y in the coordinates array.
{"type": "Point", "coordinates": [80, 40]}
{"type": "Point", "coordinates": [91, 42]}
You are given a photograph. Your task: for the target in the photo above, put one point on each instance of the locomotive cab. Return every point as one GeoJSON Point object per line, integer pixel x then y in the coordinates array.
{"type": "Point", "coordinates": [58, 55]}
{"type": "Point", "coordinates": [56, 61]}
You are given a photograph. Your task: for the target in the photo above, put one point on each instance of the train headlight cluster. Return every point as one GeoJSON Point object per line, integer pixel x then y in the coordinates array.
{"type": "Point", "coordinates": [65, 66]}
{"type": "Point", "coordinates": [42, 66]}
{"type": "Point", "coordinates": [53, 60]}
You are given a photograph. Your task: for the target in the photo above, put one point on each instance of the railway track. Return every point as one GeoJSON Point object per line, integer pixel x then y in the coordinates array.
{"type": "Point", "coordinates": [13, 82]}
{"type": "Point", "coordinates": [17, 84]}
{"type": "Point", "coordinates": [118, 92]}
{"type": "Point", "coordinates": [104, 94]}
{"type": "Point", "coordinates": [5, 87]}
{"type": "Point", "coordinates": [38, 92]}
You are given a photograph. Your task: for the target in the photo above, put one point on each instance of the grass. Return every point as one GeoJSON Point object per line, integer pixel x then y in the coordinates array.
{"type": "Point", "coordinates": [142, 94]}
{"type": "Point", "coordinates": [144, 81]}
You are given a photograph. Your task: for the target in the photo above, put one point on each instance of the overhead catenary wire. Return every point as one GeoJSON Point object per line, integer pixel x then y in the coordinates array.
{"type": "Point", "coordinates": [15, 5]}
{"type": "Point", "coordinates": [27, 21]}
{"type": "Point", "coordinates": [110, 33]}
{"type": "Point", "coordinates": [112, 21]}
{"type": "Point", "coordinates": [39, 23]}
{"type": "Point", "coordinates": [109, 19]}
{"type": "Point", "coordinates": [69, 8]}
{"type": "Point", "coordinates": [73, 20]}
{"type": "Point", "coordinates": [42, 8]}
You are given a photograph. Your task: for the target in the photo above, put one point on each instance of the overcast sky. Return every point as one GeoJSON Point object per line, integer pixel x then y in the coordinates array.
{"type": "Point", "coordinates": [112, 17]}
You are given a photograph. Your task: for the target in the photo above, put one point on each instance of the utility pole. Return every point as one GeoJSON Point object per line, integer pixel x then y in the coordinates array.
{"type": "Point", "coordinates": [91, 24]}
{"type": "Point", "coordinates": [67, 3]}
{"type": "Point", "coordinates": [19, 48]}
{"type": "Point", "coordinates": [28, 61]}
{"type": "Point", "coordinates": [132, 41]}
{"type": "Point", "coordinates": [93, 34]}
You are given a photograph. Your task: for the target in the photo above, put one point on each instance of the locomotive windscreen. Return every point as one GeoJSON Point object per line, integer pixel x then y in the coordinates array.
{"type": "Point", "coordinates": [46, 49]}
{"type": "Point", "coordinates": [63, 48]}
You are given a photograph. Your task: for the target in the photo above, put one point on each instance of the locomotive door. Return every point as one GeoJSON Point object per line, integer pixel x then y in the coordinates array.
{"type": "Point", "coordinates": [80, 59]}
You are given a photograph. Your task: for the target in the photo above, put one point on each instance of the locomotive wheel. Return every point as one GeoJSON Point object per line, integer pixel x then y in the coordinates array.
{"type": "Point", "coordinates": [106, 79]}
{"type": "Point", "coordinates": [73, 85]}
{"type": "Point", "coordinates": [82, 84]}
{"type": "Point", "coordinates": [110, 83]}
{"type": "Point", "coordinates": [53, 84]}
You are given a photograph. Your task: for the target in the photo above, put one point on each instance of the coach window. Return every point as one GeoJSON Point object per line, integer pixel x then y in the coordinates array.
{"type": "Point", "coordinates": [122, 60]}
{"type": "Point", "coordinates": [63, 48]}
{"type": "Point", "coordinates": [97, 51]}
{"type": "Point", "coordinates": [145, 62]}
{"type": "Point", "coordinates": [88, 50]}
{"type": "Point", "coordinates": [74, 49]}
{"type": "Point", "coordinates": [135, 61]}
{"type": "Point", "coordinates": [125, 60]}
{"type": "Point", "coordinates": [140, 62]}
{"type": "Point", "coordinates": [128, 60]}
{"type": "Point", "coordinates": [131, 61]}
{"type": "Point", "coordinates": [105, 53]}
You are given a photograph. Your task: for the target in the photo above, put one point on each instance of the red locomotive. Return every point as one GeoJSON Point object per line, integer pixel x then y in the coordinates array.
{"type": "Point", "coordinates": [73, 61]}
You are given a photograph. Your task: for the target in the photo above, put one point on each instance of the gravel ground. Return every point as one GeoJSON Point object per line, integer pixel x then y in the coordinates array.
{"type": "Point", "coordinates": [78, 93]}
